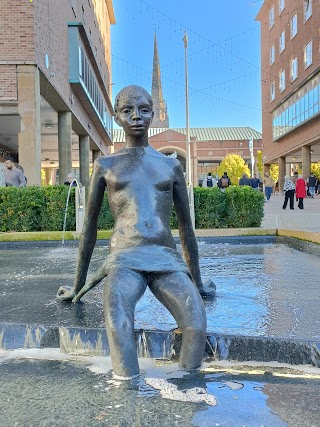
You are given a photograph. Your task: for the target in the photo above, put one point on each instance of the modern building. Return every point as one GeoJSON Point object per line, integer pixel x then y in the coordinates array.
{"type": "Point", "coordinates": [290, 63]}
{"type": "Point", "coordinates": [208, 145]}
{"type": "Point", "coordinates": [55, 85]}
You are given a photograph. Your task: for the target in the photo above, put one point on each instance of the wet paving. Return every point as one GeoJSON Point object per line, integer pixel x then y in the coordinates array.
{"type": "Point", "coordinates": [262, 290]}
{"type": "Point", "coordinates": [43, 393]}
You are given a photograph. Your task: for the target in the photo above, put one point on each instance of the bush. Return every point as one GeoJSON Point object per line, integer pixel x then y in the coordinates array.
{"type": "Point", "coordinates": [42, 209]}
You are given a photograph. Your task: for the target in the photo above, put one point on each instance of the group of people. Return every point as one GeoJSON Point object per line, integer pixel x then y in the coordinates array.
{"type": "Point", "coordinates": [298, 188]}
{"type": "Point", "coordinates": [211, 181]}
{"type": "Point", "coordinates": [224, 182]}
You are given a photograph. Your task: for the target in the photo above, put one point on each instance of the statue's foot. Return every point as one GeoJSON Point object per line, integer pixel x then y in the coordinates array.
{"type": "Point", "coordinates": [208, 290]}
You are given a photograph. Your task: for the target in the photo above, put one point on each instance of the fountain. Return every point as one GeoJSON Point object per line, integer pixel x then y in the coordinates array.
{"type": "Point", "coordinates": [80, 208]}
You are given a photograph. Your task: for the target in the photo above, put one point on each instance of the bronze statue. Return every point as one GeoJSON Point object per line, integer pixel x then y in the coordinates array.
{"type": "Point", "coordinates": [142, 184]}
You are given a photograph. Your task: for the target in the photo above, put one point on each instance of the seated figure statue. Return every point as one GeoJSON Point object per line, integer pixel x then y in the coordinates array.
{"type": "Point", "coordinates": [142, 184]}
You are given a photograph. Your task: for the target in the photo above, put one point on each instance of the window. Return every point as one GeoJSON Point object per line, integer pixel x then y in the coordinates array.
{"type": "Point", "coordinates": [272, 54]}
{"type": "Point", "coordinates": [308, 54]}
{"type": "Point", "coordinates": [294, 25]}
{"type": "Point", "coordinates": [282, 41]}
{"type": "Point", "coordinates": [307, 9]}
{"type": "Point", "coordinates": [281, 5]}
{"type": "Point", "coordinates": [282, 80]}
{"type": "Point", "coordinates": [272, 91]}
{"type": "Point", "coordinates": [271, 17]}
{"type": "Point", "coordinates": [294, 68]}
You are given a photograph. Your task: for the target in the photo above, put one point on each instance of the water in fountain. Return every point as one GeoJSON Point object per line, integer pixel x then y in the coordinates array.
{"type": "Point", "coordinates": [77, 186]}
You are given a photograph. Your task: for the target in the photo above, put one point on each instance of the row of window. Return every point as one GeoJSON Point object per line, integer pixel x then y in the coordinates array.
{"type": "Point", "coordinates": [89, 83]}
{"type": "Point", "coordinates": [307, 9]}
{"type": "Point", "coordinates": [293, 71]}
{"type": "Point", "coordinates": [299, 108]}
{"type": "Point", "coordinates": [282, 37]}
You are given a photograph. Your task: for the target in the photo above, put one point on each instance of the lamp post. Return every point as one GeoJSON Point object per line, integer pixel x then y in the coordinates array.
{"type": "Point", "coordinates": [251, 155]}
{"type": "Point", "coordinates": [188, 148]}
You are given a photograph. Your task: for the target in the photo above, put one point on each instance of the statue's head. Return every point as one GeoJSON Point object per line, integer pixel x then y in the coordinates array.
{"type": "Point", "coordinates": [131, 92]}
{"type": "Point", "coordinates": [133, 109]}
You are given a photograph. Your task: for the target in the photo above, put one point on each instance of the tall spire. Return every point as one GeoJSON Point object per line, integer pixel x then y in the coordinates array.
{"type": "Point", "coordinates": [161, 119]}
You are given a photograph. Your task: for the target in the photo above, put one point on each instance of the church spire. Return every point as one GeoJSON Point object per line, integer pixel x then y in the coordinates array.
{"type": "Point", "coordinates": [161, 119]}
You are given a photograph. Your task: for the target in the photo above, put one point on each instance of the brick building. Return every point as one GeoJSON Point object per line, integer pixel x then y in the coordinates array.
{"type": "Point", "coordinates": [208, 145]}
{"type": "Point", "coordinates": [55, 80]}
{"type": "Point", "coordinates": [290, 62]}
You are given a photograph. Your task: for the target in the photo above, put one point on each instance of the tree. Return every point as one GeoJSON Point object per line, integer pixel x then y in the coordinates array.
{"type": "Point", "coordinates": [259, 162]}
{"type": "Point", "coordinates": [315, 169]}
{"type": "Point", "coordinates": [274, 172]}
{"type": "Point", "coordinates": [235, 166]}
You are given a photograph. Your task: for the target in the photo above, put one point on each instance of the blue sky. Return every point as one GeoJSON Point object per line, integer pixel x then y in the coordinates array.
{"type": "Point", "coordinates": [224, 57]}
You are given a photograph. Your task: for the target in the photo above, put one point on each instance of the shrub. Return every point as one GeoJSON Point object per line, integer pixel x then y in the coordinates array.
{"type": "Point", "coordinates": [42, 209]}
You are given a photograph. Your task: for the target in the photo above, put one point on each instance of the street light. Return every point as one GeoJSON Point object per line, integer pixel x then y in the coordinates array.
{"type": "Point", "coordinates": [251, 155]}
{"type": "Point", "coordinates": [188, 148]}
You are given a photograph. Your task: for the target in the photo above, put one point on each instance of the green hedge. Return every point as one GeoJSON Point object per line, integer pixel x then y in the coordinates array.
{"type": "Point", "coordinates": [42, 209]}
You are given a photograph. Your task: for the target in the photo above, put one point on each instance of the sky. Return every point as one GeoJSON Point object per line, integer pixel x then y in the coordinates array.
{"type": "Point", "coordinates": [223, 57]}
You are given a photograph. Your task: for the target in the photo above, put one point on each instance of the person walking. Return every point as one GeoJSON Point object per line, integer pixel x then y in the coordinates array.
{"type": "Point", "coordinates": [289, 189]}
{"type": "Point", "coordinates": [244, 180]}
{"type": "Point", "coordinates": [209, 181]}
{"type": "Point", "coordinates": [301, 192]}
{"type": "Point", "coordinates": [255, 182]}
{"type": "Point", "coordinates": [268, 184]}
{"type": "Point", "coordinates": [311, 184]}
{"type": "Point", "coordinates": [224, 181]}
{"type": "Point", "coordinates": [14, 177]}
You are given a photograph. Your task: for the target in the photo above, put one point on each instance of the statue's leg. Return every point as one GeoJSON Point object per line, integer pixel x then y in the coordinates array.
{"type": "Point", "coordinates": [122, 290]}
{"type": "Point", "coordinates": [180, 296]}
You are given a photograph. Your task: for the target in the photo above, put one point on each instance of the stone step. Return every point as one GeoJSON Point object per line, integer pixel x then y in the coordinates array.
{"type": "Point", "coordinates": [159, 344]}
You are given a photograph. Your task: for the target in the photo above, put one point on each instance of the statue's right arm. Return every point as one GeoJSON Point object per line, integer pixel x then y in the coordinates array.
{"type": "Point", "coordinates": [89, 232]}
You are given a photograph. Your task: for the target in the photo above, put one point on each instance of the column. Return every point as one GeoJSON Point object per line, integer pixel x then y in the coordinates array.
{"type": "Point", "coordinates": [64, 144]}
{"type": "Point", "coordinates": [282, 172]}
{"type": "Point", "coordinates": [95, 155]}
{"type": "Point", "coordinates": [266, 168]}
{"type": "Point", "coordinates": [84, 153]}
{"type": "Point", "coordinates": [306, 161]}
{"type": "Point", "coordinates": [29, 139]}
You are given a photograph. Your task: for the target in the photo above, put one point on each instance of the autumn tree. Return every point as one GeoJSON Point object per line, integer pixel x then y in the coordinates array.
{"type": "Point", "coordinates": [235, 166]}
{"type": "Point", "coordinates": [274, 172]}
{"type": "Point", "coordinates": [259, 162]}
{"type": "Point", "coordinates": [315, 169]}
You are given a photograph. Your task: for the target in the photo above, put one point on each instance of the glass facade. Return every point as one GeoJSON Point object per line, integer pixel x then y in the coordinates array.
{"type": "Point", "coordinates": [91, 87]}
{"type": "Point", "coordinates": [271, 17]}
{"type": "Point", "coordinates": [299, 108]}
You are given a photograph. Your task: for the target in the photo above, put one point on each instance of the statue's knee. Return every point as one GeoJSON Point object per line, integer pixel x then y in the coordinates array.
{"type": "Point", "coordinates": [118, 325]}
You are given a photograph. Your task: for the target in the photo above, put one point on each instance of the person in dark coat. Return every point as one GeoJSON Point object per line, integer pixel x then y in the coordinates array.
{"type": "Point", "coordinates": [244, 180]}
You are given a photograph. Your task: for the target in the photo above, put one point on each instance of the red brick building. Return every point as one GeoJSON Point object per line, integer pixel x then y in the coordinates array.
{"type": "Point", "coordinates": [208, 145]}
{"type": "Point", "coordinates": [55, 80]}
{"type": "Point", "coordinates": [290, 62]}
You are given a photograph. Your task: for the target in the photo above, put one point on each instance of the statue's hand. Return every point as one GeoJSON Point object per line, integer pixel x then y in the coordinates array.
{"type": "Point", "coordinates": [66, 293]}
{"type": "Point", "coordinates": [207, 289]}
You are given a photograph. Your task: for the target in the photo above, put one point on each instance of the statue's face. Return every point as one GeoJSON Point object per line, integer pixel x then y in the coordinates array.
{"type": "Point", "coordinates": [134, 114]}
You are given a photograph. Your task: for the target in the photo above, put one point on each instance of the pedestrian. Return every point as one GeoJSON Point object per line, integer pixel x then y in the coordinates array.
{"type": "Point", "coordinates": [268, 185]}
{"type": "Point", "coordinates": [13, 176]}
{"type": "Point", "coordinates": [311, 184]}
{"type": "Point", "coordinates": [71, 180]}
{"type": "Point", "coordinates": [255, 182]}
{"type": "Point", "coordinates": [301, 192]}
{"type": "Point", "coordinates": [224, 181]}
{"type": "Point", "coordinates": [289, 189]}
{"type": "Point", "coordinates": [294, 180]}
{"type": "Point", "coordinates": [316, 188]}
{"type": "Point", "coordinates": [209, 181]}
{"type": "Point", "coordinates": [244, 180]}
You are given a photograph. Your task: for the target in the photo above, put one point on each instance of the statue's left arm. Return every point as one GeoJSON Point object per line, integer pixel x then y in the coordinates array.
{"type": "Point", "coordinates": [186, 232]}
